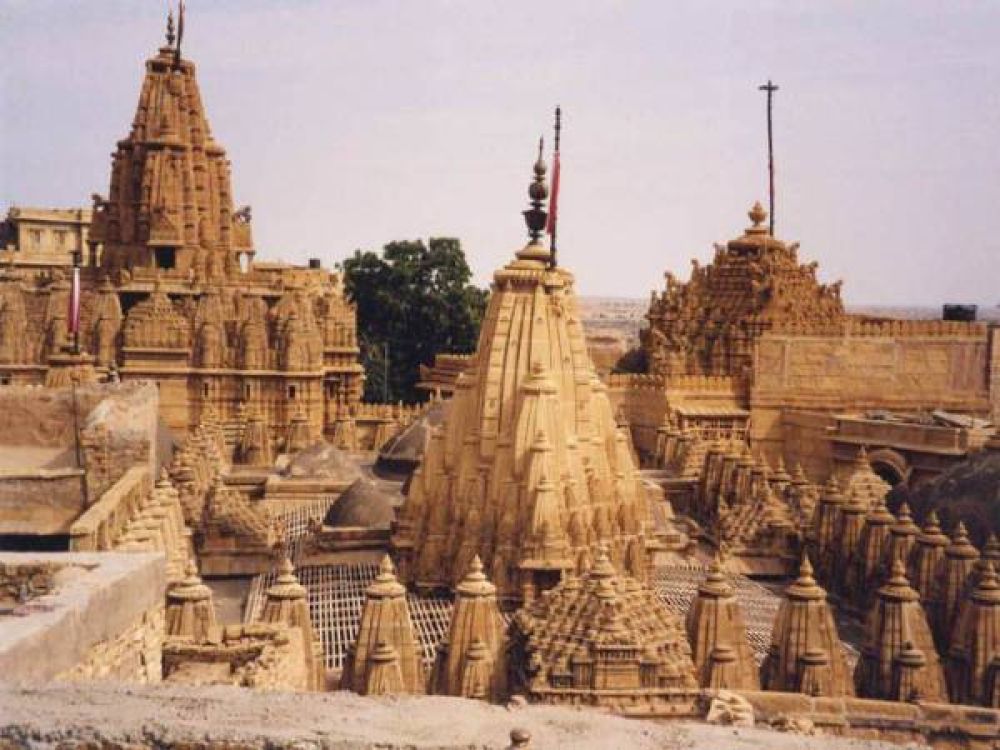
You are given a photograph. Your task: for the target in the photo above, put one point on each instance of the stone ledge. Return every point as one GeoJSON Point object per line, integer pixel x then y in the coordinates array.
{"type": "Point", "coordinates": [97, 596]}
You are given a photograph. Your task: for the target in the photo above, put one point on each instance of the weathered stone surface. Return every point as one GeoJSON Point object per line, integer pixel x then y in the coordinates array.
{"type": "Point", "coordinates": [103, 619]}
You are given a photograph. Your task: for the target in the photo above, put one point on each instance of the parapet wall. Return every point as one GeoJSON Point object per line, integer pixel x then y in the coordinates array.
{"type": "Point", "coordinates": [869, 372]}
{"type": "Point", "coordinates": [60, 449]}
{"type": "Point", "coordinates": [101, 617]}
{"type": "Point", "coordinates": [940, 725]}
{"type": "Point", "coordinates": [902, 366]}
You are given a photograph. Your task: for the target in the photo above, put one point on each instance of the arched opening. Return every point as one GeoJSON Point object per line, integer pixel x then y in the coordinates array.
{"type": "Point", "coordinates": [887, 473]}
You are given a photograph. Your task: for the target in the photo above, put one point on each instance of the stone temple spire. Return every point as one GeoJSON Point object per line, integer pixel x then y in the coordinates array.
{"type": "Point", "coordinates": [385, 657]}
{"type": "Point", "coordinates": [898, 659]}
{"type": "Point", "coordinates": [170, 204]}
{"type": "Point", "coordinates": [718, 636]}
{"type": "Point", "coordinates": [529, 470]}
{"type": "Point", "coordinates": [806, 655]}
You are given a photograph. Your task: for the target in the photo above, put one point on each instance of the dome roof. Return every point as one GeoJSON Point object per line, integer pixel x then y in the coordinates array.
{"type": "Point", "coordinates": [367, 504]}
{"type": "Point", "coordinates": [323, 461]}
{"type": "Point", "coordinates": [405, 450]}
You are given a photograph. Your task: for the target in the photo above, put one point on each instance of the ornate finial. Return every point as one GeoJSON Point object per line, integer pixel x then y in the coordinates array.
{"type": "Point", "coordinates": [757, 215]}
{"type": "Point", "coordinates": [805, 566]}
{"type": "Point", "coordinates": [536, 216]}
{"type": "Point", "coordinates": [170, 28]}
{"type": "Point", "coordinates": [898, 575]}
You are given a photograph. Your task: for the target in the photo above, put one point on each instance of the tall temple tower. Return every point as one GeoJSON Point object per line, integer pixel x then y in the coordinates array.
{"type": "Point", "coordinates": [708, 325]}
{"type": "Point", "coordinates": [170, 205]}
{"type": "Point", "coordinates": [529, 470]}
{"type": "Point", "coordinates": [177, 298]}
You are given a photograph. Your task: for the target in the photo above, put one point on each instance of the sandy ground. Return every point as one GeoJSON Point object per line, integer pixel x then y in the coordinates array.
{"type": "Point", "coordinates": [42, 717]}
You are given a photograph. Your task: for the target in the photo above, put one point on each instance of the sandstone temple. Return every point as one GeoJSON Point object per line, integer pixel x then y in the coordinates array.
{"type": "Point", "coordinates": [789, 520]}
{"type": "Point", "coordinates": [173, 293]}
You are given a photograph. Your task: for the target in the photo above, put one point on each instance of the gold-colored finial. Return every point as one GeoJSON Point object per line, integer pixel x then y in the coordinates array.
{"type": "Point", "coordinates": [757, 214]}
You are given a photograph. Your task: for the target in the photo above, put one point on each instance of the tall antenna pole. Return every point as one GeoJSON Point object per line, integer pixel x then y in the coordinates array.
{"type": "Point", "coordinates": [770, 88]}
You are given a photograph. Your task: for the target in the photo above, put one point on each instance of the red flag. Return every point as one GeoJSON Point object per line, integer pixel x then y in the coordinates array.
{"type": "Point", "coordinates": [550, 227]}
{"type": "Point", "coordinates": [74, 302]}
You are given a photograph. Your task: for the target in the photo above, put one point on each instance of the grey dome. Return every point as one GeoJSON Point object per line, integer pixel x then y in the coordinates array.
{"type": "Point", "coordinates": [323, 461]}
{"type": "Point", "coordinates": [367, 504]}
{"type": "Point", "coordinates": [405, 450]}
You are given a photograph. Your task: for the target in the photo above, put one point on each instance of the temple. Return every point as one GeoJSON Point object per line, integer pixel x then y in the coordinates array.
{"type": "Point", "coordinates": [788, 521]}
{"type": "Point", "coordinates": [529, 469]}
{"type": "Point", "coordinates": [172, 291]}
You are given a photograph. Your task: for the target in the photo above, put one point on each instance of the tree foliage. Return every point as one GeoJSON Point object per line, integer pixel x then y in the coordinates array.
{"type": "Point", "coordinates": [633, 361]}
{"type": "Point", "coordinates": [414, 300]}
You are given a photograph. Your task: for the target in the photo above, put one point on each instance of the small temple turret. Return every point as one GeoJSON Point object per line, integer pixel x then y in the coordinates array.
{"type": "Point", "coordinates": [898, 658]}
{"type": "Point", "coordinates": [826, 530]}
{"type": "Point", "coordinates": [385, 657]}
{"type": "Point", "coordinates": [286, 602]}
{"type": "Point", "coordinates": [806, 655]}
{"type": "Point", "coordinates": [190, 613]}
{"type": "Point", "coordinates": [717, 633]}
{"type": "Point", "coordinates": [902, 538]}
{"type": "Point", "coordinates": [926, 561]}
{"type": "Point", "coordinates": [960, 558]}
{"type": "Point", "coordinates": [472, 662]}
{"type": "Point", "coordinates": [846, 545]}
{"type": "Point", "coordinates": [866, 570]}
{"type": "Point", "coordinates": [975, 642]}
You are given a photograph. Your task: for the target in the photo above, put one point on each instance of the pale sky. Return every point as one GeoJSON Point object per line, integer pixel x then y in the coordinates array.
{"type": "Point", "coordinates": [350, 124]}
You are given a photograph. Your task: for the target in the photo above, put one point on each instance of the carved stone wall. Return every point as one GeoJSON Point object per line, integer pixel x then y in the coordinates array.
{"type": "Point", "coordinates": [132, 655]}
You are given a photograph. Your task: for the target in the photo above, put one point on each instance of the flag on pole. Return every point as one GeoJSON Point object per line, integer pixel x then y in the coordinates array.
{"type": "Point", "coordinates": [550, 227]}
{"type": "Point", "coordinates": [74, 302]}
{"type": "Point", "coordinates": [180, 33]}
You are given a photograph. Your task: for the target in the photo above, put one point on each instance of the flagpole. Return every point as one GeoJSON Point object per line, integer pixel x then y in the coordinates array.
{"type": "Point", "coordinates": [554, 201]}
{"type": "Point", "coordinates": [74, 301]}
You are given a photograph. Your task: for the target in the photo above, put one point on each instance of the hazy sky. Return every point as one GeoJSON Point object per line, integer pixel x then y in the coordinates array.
{"type": "Point", "coordinates": [350, 124]}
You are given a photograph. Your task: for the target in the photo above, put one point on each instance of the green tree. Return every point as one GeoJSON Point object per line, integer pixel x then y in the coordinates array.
{"type": "Point", "coordinates": [414, 300]}
{"type": "Point", "coordinates": [634, 360]}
